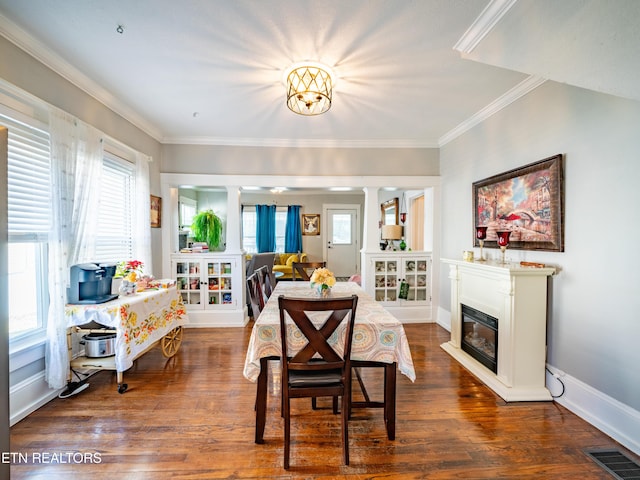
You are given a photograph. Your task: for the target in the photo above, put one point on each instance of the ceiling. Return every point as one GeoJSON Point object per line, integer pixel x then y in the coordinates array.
{"type": "Point", "coordinates": [409, 73]}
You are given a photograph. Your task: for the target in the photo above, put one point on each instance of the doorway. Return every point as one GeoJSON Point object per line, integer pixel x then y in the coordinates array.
{"type": "Point", "coordinates": [342, 240]}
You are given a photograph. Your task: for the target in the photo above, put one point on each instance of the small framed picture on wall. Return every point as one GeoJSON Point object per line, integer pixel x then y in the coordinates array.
{"type": "Point", "coordinates": [311, 224]}
{"type": "Point", "coordinates": [156, 212]}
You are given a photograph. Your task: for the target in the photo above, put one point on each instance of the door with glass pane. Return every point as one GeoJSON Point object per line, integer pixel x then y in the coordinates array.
{"type": "Point", "coordinates": [342, 241]}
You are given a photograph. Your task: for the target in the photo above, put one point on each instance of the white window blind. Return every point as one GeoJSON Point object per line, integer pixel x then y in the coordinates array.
{"type": "Point", "coordinates": [29, 204]}
{"type": "Point", "coordinates": [29, 211]}
{"type": "Point", "coordinates": [115, 218]}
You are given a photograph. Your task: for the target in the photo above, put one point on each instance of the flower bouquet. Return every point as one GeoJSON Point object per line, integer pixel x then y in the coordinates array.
{"type": "Point", "coordinates": [130, 266]}
{"type": "Point", "coordinates": [322, 279]}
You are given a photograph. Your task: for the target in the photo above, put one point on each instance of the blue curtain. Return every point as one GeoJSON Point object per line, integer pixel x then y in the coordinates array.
{"type": "Point", "coordinates": [266, 228]}
{"type": "Point", "coordinates": [293, 231]}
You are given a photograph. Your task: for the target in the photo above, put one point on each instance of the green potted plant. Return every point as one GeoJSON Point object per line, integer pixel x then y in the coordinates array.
{"type": "Point", "coordinates": [207, 227]}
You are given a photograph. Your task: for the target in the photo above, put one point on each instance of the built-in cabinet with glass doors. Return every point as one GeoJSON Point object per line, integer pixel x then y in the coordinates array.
{"type": "Point", "coordinates": [401, 281]}
{"type": "Point", "coordinates": [208, 282]}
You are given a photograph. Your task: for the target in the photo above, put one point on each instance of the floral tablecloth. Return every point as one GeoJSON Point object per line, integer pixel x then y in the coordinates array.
{"type": "Point", "coordinates": [139, 320]}
{"type": "Point", "coordinates": [377, 336]}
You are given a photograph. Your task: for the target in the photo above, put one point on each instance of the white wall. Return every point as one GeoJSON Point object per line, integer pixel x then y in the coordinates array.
{"type": "Point", "coordinates": [298, 162]}
{"type": "Point", "coordinates": [593, 327]}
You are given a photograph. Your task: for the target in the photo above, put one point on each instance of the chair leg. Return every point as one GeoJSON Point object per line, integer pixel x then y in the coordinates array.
{"type": "Point", "coordinates": [287, 432]}
{"type": "Point", "coordinates": [345, 426]}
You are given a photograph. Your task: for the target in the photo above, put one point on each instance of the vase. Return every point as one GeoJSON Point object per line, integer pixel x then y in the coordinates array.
{"type": "Point", "coordinates": [323, 291]}
{"type": "Point", "coordinates": [127, 288]}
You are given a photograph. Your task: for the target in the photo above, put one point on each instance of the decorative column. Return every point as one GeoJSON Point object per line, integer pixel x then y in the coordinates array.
{"type": "Point", "coordinates": [234, 215]}
{"type": "Point", "coordinates": [371, 234]}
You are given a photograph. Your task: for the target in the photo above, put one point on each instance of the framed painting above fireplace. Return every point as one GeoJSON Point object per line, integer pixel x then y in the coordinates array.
{"type": "Point", "coordinates": [527, 201]}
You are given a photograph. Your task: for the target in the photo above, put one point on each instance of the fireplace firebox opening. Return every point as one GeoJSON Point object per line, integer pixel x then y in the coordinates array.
{"type": "Point", "coordinates": [480, 336]}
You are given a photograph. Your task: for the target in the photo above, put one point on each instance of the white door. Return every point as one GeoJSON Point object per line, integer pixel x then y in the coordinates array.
{"type": "Point", "coordinates": [342, 241]}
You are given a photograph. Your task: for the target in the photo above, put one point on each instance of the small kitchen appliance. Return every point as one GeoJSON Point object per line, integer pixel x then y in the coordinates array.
{"type": "Point", "coordinates": [90, 283]}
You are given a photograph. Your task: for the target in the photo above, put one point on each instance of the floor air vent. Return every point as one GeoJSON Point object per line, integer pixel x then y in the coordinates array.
{"type": "Point", "coordinates": [616, 463]}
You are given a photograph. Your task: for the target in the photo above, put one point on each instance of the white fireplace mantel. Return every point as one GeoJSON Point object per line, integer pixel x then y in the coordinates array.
{"type": "Point", "coordinates": [517, 297]}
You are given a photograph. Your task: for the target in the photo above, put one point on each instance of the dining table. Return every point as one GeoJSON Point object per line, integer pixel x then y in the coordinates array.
{"type": "Point", "coordinates": [379, 340]}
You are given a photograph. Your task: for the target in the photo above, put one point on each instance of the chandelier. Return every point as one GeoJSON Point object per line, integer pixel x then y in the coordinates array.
{"type": "Point", "coordinates": [309, 89]}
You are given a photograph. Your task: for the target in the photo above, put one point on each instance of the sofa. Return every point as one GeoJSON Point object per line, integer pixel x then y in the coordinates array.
{"type": "Point", "coordinates": [283, 263]}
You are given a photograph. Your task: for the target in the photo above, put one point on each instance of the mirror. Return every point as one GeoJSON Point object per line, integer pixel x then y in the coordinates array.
{"type": "Point", "coordinates": [389, 212]}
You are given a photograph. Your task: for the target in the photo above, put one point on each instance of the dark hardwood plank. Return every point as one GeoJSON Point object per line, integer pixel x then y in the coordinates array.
{"type": "Point", "coordinates": [192, 417]}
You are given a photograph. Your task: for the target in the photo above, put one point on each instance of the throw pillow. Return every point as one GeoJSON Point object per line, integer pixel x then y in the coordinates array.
{"type": "Point", "coordinates": [291, 259]}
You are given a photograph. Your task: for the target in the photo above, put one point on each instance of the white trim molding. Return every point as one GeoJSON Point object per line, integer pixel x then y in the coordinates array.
{"type": "Point", "coordinates": [517, 92]}
{"type": "Point", "coordinates": [480, 28]}
{"type": "Point", "coordinates": [25, 41]}
{"type": "Point", "coordinates": [28, 396]}
{"type": "Point", "coordinates": [619, 421]}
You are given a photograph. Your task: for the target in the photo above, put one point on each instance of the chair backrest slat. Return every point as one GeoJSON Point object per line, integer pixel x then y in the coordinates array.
{"type": "Point", "coordinates": [303, 270]}
{"type": "Point", "coordinates": [256, 296]}
{"type": "Point", "coordinates": [267, 281]}
{"type": "Point", "coordinates": [318, 346]}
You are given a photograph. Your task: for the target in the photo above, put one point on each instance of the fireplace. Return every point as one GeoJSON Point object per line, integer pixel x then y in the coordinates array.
{"type": "Point", "coordinates": [498, 326]}
{"type": "Point", "coordinates": [480, 336]}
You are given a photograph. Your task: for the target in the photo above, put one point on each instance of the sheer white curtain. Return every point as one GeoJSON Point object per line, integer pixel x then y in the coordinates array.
{"type": "Point", "coordinates": [76, 168]}
{"type": "Point", "coordinates": [142, 225]}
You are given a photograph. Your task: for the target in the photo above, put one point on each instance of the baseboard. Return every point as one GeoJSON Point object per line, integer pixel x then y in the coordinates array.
{"type": "Point", "coordinates": [411, 313]}
{"type": "Point", "coordinates": [28, 396]}
{"type": "Point", "coordinates": [619, 421]}
{"type": "Point", "coordinates": [210, 319]}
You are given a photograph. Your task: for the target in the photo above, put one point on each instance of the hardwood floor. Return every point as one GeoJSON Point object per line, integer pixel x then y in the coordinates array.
{"type": "Point", "coordinates": [192, 417]}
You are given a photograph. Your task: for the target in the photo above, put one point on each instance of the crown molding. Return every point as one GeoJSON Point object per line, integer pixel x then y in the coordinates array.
{"type": "Point", "coordinates": [300, 143]}
{"type": "Point", "coordinates": [55, 62]}
{"type": "Point", "coordinates": [482, 25]}
{"type": "Point", "coordinates": [517, 92]}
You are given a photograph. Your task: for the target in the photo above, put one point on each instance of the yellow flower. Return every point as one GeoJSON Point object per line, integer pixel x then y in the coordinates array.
{"type": "Point", "coordinates": [323, 276]}
{"type": "Point", "coordinates": [131, 277]}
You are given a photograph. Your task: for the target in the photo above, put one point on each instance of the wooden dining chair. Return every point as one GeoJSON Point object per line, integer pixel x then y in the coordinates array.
{"type": "Point", "coordinates": [256, 296]}
{"type": "Point", "coordinates": [304, 270]}
{"type": "Point", "coordinates": [268, 283]}
{"type": "Point", "coordinates": [317, 370]}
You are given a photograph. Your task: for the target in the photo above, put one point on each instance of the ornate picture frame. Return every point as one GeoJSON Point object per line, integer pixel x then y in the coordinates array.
{"type": "Point", "coordinates": [155, 211]}
{"type": "Point", "coordinates": [528, 201]}
{"type": "Point", "coordinates": [310, 224]}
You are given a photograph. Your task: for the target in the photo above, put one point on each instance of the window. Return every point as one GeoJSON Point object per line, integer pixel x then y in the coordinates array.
{"type": "Point", "coordinates": [28, 224]}
{"type": "Point", "coordinates": [114, 240]}
{"type": "Point", "coordinates": [249, 230]}
{"type": "Point", "coordinates": [249, 223]}
{"type": "Point", "coordinates": [188, 209]}
{"type": "Point", "coordinates": [341, 229]}
{"type": "Point", "coordinates": [281, 225]}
